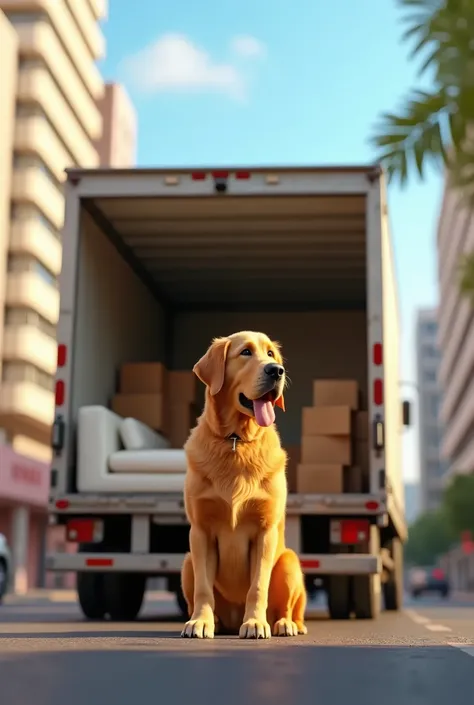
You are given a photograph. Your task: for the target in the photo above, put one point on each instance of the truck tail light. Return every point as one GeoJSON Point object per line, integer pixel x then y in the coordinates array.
{"type": "Point", "coordinates": [85, 530]}
{"type": "Point", "coordinates": [350, 531]}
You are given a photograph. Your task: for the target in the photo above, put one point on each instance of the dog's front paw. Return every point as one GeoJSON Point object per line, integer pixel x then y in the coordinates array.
{"type": "Point", "coordinates": [199, 629]}
{"type": "Point", "coordinates": [285, 627]}
{"type": "Point", "coordinates": [255, 629]}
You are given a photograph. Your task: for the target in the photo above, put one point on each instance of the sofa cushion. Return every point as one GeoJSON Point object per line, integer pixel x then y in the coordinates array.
{"type": "Point", "coordinates": [136, 435]}
{"type": "Point", "coordinates": [168, 461]}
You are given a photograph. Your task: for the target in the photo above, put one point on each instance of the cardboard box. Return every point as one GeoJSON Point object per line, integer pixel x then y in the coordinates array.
{"type": "Point", "coordinates": [361, 425]}
{"type": "Point", "coordinates": [333, 450]}
{"type": "Point", "coordinates": [143, 378]}
{"type": "Point", "coordinates": [326, 421]}
{"type": "Point", "coordinates": [294, 453]}
{"type": "Point", "coordinates": [336, 392]}
{"type": "Point", "coordinates": [147, 408]}
{"type": "Point", "coordinates": [317, 478]}
{"type": "Point", "coordinates": [182, 418]}
{"type": "Point", "coordinates": [182, 386]}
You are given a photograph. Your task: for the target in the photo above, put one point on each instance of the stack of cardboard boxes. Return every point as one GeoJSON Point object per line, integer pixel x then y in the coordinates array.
{"type": "Point", "coordinates": [163, 400]}
{"type": "Point", "coordinates": [334, 444]}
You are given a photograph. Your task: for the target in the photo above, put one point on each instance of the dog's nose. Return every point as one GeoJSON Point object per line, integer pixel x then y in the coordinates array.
{"type": "Point", "coordinates": [274, 370]}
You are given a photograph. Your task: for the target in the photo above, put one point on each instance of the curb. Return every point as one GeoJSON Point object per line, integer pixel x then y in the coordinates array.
{"type": "Point", "coordinates": [70, 596]}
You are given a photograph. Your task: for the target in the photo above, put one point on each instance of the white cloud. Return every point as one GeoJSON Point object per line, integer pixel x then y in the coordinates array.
{"type": "Point", "coordinates": [248, 47]}
{"type": "Point", "coordinates": [173, 62]}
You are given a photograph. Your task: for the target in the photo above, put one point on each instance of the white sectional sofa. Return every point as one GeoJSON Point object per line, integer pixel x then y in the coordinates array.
{"type": "Point", "coordinates": [124, 455]}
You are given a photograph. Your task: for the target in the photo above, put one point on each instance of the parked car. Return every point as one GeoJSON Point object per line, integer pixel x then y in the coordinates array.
{"type": "Point", "coordinates": [428, 579]}
{"type": "Point", "coordinates": [5, 564]}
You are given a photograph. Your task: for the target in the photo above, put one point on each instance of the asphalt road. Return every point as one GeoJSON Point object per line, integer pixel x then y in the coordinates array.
{"type": "Point", "coordinates": [50, 656]}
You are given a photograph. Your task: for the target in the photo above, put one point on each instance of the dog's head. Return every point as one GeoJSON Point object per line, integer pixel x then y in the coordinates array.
{"type": "Point", "coordinates": [245, 373]}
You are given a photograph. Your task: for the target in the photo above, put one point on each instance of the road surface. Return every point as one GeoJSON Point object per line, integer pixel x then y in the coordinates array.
{"type": "Point", "coordinates": [50, 656]}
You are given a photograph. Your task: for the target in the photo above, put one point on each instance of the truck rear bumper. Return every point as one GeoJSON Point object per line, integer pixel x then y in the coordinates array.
{"type": "Point", "coordinates": [168, 564]}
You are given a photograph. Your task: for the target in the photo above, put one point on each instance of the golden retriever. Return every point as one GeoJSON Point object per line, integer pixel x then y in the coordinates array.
{"type": "Point", "coordinates": [239, 577]}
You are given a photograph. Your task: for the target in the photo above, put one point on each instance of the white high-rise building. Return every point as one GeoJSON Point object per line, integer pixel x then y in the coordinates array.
{"type": "Point", "coordinates": [432, 467]}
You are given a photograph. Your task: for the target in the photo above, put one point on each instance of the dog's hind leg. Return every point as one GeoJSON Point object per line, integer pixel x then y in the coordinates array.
{"type": "Point", "coordinates": [287, 596]}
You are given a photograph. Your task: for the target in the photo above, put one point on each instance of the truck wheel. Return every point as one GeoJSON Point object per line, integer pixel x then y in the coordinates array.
{"type": "Point", "coordinates": [90, 592]}
{"type": "Point", "coordinates": [393, 588]}
{"type": "Point", "coordinates": [366, 589]}
{"type": "Point", "coordinates": [338, 593]}
{"type": "Point", "coordinates": [124, 593]}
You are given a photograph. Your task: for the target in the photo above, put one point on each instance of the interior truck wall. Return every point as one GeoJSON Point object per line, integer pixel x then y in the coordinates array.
{"type": "Point", "coordinates": [319, 344]}
{"type": "Point", "coordinates": [393, 415]}
{"type": "Point", "coordinates": [118, 319]}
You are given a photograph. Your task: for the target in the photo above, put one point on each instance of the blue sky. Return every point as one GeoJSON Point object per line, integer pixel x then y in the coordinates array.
{"type": "Point", "coordinates": [260, 82]}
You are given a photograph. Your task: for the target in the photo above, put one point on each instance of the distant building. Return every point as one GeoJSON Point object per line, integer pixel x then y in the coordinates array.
{"type": "Point", "coordinates": [117, 146]}
{"type": "Point", "coordinates": [456, 335]}
{"type": "Point", "coordinates": [432, 467]}
{"type": "Point", "coordinates": [412, 501]}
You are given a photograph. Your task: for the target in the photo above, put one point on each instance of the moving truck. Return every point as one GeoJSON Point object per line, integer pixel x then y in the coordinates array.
{"type": "Point", "coordinates": [157, 262]}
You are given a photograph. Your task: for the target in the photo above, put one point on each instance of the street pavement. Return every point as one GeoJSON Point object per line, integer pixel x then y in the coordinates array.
{"type": "Point", "coordinates": [50, 656]}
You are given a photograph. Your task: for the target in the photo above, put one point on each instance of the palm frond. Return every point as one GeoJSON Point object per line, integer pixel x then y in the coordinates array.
{"type": "Point", "coordinates": [415, 136]}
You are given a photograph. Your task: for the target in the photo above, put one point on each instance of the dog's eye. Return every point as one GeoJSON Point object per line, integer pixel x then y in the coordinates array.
{"type": "Point", "coordinates": [246, 352]}
{"type": "Point", "coordinates": [270, 353]}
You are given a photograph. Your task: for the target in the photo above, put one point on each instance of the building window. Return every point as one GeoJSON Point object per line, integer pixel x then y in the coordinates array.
{"type": "Point", "coordinates": [21, 161]}
{"type": "Point", "coordinates": [27, 263]}
{"type": "Point", "coordinates": [429, 375]}
{"type": "Point", "coordinates": [25, 372]}
{"type": "Point", "coordinates": [429, 327]}
{"type": "Point", "coordinates": [25, 316]}
{"type": "Point", "coordinates": [28, 213]}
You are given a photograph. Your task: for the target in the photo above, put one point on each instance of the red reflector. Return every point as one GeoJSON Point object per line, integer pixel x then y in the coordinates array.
{"type": "Point", "coordinates": [99, 562]}
{"type": "Point", "coordinates": [198, 176]}
{"type": "Point", "coordinates": [438, 574]}
{"type": "Point", "coordinates": [62, 504]}
{"type": "Point", "coordinates": [310, 564]}
{"type": "Point", "coordinates": [220, 174]}
{"type": "Point", "coordinates": [59, 393]}
{"type": "Point", "coordinates": [62, 354]}
{"type": "Point", "coordinates": [378, 392]}
{"type": "Point", "coordinates": [354, 530]}
{"type": "Point", "coordinates": [377, 354]}
{"type": "Point", "coordinates": [371, 505]}
{"type": "Point", "coordinates": [242, 174]}
{"type": "Point", "coordinates": [81, 530]}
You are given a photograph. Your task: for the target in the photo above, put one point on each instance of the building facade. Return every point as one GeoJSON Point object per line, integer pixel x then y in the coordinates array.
{"type": "Point", "coordinates": [456, 335]}
{"type": "Point", "coordinates": [54, 113]}
{"type": "Point", "coordinates": [432, 466]}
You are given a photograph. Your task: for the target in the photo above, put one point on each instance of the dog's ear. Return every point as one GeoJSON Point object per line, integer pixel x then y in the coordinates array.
{"type": "Point", "coordinates": [210, 369]}
{"type": "Point", "coordinates": [280, 402]}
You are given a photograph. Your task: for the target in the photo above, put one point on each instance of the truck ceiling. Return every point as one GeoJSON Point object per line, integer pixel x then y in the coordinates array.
{"type": "Point", "coordinates": [277, 251]}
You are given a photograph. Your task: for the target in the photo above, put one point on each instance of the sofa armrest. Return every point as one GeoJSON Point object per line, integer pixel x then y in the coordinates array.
{"type": "Point", "coordinates": [98, 436]}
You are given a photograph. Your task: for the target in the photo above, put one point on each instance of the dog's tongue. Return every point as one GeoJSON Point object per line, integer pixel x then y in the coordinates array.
{"type": "Point", "coordinates": [264, 411]}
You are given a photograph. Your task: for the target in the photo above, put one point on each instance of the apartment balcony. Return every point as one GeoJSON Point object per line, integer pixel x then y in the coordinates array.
{"type": "Point", "coordinates": [68, 32]}
{"type": "Point", "coordinates": [82, 13]}
{"type": "Point", "coordinates": [31, 185]}
{"type": "Point", "coordinates": [26, 343]}
{"type": "Point", "coordinates": [29, 290]}
{"type": "Point", "coordinates": [38, 40]}
{"type": "Point", "coordinates": [29, 236]}
{"type": "Point", "coordinates": [27, 409]}
{"type": "Point", "coordinates": [34, 135]}
{"type": "Point", "coordinates": [100, 8]}
{"type": "Point", "coordinates": [36, 86]}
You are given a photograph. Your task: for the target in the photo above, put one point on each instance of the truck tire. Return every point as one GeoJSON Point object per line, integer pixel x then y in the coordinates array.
{"type": "Point", "coordinates": [91, 596]}
{"type": "Point", "coordinates": [339, 597]}
{"type": "Point", "coordinates": [124, 593]}
{"type": "Point", "coordinates": [393, 588]}
{"type": "Point", "coordinates": [366, 589]}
